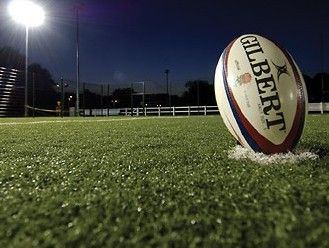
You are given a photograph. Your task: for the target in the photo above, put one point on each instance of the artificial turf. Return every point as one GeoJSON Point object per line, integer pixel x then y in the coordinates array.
{"type": "Point", "coordinates": [159, 182]}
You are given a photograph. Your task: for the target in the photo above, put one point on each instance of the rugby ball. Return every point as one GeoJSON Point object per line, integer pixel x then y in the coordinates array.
{"type": "Point", "coordinates": [261, 94]}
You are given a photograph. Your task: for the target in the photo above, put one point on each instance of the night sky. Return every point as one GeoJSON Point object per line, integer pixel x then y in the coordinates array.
{"type": "Point", "coordinates": [126, 41]}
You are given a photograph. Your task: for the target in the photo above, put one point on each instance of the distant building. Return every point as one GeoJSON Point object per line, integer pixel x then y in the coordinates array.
{"type": "Point", "coordinates": [11, 93]}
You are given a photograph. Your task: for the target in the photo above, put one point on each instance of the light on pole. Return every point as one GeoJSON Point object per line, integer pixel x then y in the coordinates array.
{"type": "Point", "coordinates": [78, 7]}
{"type": "Point", "coordinates": [168, 88]}
{"type": "Point", "coordinates": [77, 64]}
{"type": "Point", "coordinates": [28, 14]}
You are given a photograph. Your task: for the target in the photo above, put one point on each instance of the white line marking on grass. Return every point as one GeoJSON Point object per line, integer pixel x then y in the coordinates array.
{"type": "Point", "coordinates": [239, 153]}
{"type": "Point", "coordinates": [89, 120]}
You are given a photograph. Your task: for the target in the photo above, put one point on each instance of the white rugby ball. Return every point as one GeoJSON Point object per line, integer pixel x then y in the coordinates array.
{"type": "Point", "coordinates": [261, 94]}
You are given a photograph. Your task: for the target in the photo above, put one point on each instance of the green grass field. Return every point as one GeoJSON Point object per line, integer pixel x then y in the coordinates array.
{"type": "Point", "coordinates": [159, 182]}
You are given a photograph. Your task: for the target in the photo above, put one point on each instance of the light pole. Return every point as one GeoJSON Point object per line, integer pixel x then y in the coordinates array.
{"type": "Point", "coordinates": [168, 88]}
{"type": "Point", "coordinates": [77, 62]}
{"type": "Point", "coordinates": [322, 67]}
{"type": "Point", "coordinates": [30, 15]}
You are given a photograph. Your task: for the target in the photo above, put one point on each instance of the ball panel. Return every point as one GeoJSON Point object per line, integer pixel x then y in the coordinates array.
{"type": "Point", "coordinates": [222, 101]}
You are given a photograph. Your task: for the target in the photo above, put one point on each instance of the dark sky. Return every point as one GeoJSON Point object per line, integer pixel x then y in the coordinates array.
{"type": "Point", "coordinates": [123, 41]}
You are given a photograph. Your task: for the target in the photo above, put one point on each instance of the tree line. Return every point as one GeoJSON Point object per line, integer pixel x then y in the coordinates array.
{"type": "Point", "coordinates": [197, 92]}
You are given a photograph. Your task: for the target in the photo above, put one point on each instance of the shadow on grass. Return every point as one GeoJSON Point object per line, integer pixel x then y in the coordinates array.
{"type": "Point", "coordinates": [322, 150]}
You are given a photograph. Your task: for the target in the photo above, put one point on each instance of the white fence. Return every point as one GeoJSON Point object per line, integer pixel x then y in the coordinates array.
{"type": "Point", "coordinates": [186, 110]}
{"type": "Point", "coordinates": [155, 111]}
{"type": "Point", "coordinates": [318, 107]}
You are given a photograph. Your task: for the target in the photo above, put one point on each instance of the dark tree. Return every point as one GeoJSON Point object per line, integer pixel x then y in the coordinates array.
{"type": "Point", "coordinates": [45, 95]}
{"type": "Point", "coordinates": [317, 87]}
{"type": "Point", "coordinates": [44, 87]}
{"type": "Point", "coordinates": [122, 96]}
{"type": "Point", "coordinates": [153, 100]}
{"type": "Point", "coordinates": [199, 92]}
{"type": "Point", "coordinates": [311, 88]}
{"type": "Point", "coordinates": [321, 84]}
{"type": "Point", "coordinates": [92, 100]}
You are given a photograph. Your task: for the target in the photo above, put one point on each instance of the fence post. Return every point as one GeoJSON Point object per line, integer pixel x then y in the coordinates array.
{"type": "Point", "coordinates": [145, 110]}
{"type": "Point", "coordinates": [205, 110]}
{"type": "Point", "coordinates": [137, 113]}
{"type": "Point", "coordinates": [126, 111]}
{"type": "Point", "coordinates": [159, 111]}
{"type": "Point", "coordinates": [322, 107]}
{"type": "Point", "coordinates": [189, 110]}
{"type": "Point", "coordinates": [173, 111]}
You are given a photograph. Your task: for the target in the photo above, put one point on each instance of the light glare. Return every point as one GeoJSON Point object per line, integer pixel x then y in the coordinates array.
{"type": "Point", "coordinates": [26, 12]}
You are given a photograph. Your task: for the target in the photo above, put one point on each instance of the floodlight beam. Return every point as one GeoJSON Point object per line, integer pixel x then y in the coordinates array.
{"type": "Point", "coordinates": [28, 14]}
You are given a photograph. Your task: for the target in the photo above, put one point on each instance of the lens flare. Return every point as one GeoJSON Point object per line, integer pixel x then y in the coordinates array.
{"type": "Point", "coordinates": [26, 12]}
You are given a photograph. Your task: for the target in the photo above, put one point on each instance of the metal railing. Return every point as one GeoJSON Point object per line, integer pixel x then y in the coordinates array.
{"type": "Point", "coordinates": [318, 107]}
{"type": "Point", "coordinates": [154, 111]}
{"type": "Point", "coordinates": [185, 110]}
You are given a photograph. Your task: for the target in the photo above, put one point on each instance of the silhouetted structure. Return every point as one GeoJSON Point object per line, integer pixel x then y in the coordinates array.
{"type": "Point", "coordinates": [11, 93]}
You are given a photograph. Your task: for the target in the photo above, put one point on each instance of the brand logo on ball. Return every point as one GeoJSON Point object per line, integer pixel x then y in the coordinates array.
{"type": "Point", "coordinates": [281, 70]}
{"type": "Point", "coordinates": [243, 79]}
{"type": "Point", "coordinates": [266, 85]}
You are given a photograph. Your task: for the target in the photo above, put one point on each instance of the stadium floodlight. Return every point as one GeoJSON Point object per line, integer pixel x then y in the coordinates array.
{"type": "Point", "coordinates": [28, 14]}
